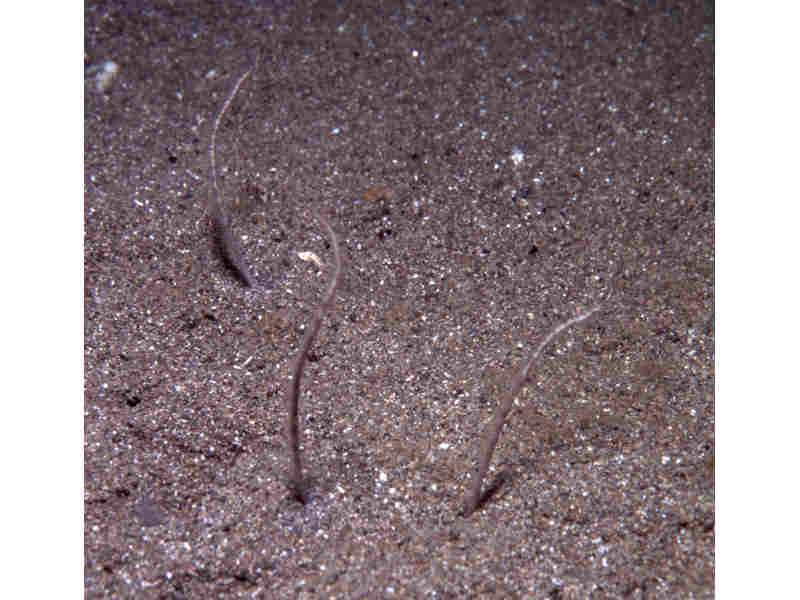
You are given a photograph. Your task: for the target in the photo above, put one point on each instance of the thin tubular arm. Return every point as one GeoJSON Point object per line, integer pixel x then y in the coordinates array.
{"type": "Point", "coordinates": [295, 482]}
{"type": "Point", "coordinates": [473, 497]}
{"type": "Point", "coordinates": [212, 150]}
{"type": "Point", "coordinates": [229, 246]}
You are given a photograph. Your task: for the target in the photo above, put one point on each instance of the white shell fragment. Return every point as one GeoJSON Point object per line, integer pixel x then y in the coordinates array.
{"type": "Point", "coordinates": [105, 77]}
{"type": "Point", "coordinates": [310, 257]}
